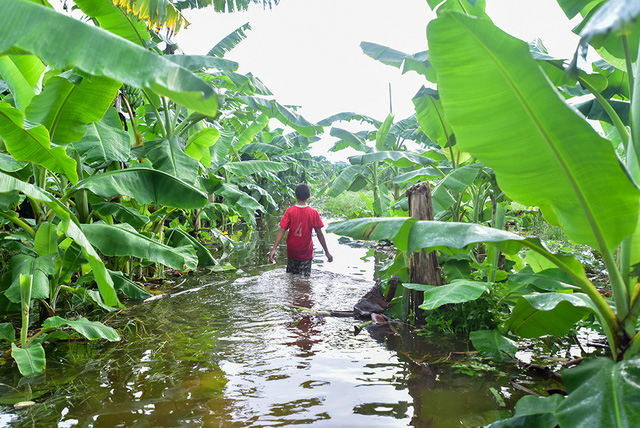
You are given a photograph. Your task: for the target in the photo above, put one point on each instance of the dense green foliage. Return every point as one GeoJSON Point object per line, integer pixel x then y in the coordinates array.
{"type": "Point", "coordinates": [505, 103]}
{"type": "Point", "coordinates": [119, 159]}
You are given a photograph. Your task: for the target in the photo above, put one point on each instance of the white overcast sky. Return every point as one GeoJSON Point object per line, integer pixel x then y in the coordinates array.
{"type": "Point", "coordinates": [307, 52]}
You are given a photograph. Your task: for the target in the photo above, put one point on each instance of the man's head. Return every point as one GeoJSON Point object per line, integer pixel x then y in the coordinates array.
{"type": "Point", "coordinates": [302, 192]}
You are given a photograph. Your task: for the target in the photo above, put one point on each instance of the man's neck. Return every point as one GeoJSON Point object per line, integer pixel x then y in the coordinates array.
{"type": "Point", "coordinates": [302, 203]}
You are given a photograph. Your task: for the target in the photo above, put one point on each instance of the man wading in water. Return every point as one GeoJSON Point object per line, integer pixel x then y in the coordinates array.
{"type": "Point", "coordinates": [299, 220]}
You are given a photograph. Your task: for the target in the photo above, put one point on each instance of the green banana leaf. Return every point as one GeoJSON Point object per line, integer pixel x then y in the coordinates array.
{"type": "Point", "coordinates": [100, 273]}
{"type": "Point", "coordinates": [284, 115]}
{"type": "Point", "coordinates": [116, 20]}
{"type": "Point", "coordinates": [375, 229]}
{"type": "Point", "coordinates": [458, 291]}
{"type": "Point", "coordinates": [383, 132]}
{"type": "Point", "coordinates": [251, 131]}
{"type": "Point", "coordinates": [69, 227]}
{"type": "Point", "coordinates": [400, 159]}
{"type": "Point", "coordinates": [199, 62]}
{"type": "Point", "coordinates": [38, 268]}
{"type": "Point", "coordinates": [169, 156]}
{"type": "Point", "coordinates": [147, 186]}
{"type": "Point", "coordinates": [533, 412]}
{"type": "Point", "coordinates": [9, 164]}
{"type": "Point", "coordinates": [602, 393]}
{"type": "Point", "coordinates": [91, 330]}
{"type": "Point", "coordinates": [431, 116]}
{"type": "Point", "coordinates": [128, 287]}
{"type": "Point", "coordinates": [345, 180]}
{"type": "Point", "coordinates": [69, 42]}
{"type": "Point", "coordinates": [349, 139]}
{"type": "Point", "coordinates": [230, 41]}
{"type": "Point", "coordinates": [105, 141]}
{"type": "Point", "coordinates": [540, 314]}
{"type": "Point", "coordinates": [46, 240]}
{"type": "Point", "coordinates": [546, 280]}
{"type": "Point", "coordinates": [198, 145]}
{"type": "Point", "coordinates": [601, 29]}
{"type": "Point", "coordinates": [418, 62]}
{"type": "Point", "coordinates": [348, 117]}
{"type": "Point", "coordinates": [492, 344]}
{"type": "Point", "coordinates": [246, 168]}
{"type": "Point", "coordinates": [178, 238]}
{"type": "Point", "coordinates": [503, 111]}
{"type": "Point", "coordinates": [21, 73]}
{"type": "Point", "coordinates": [262, 148]}
{"type": "Point", "coordinates": [31, 361]}
{"type": "Point", "coordinates": [422, 174]}
{"type": "Point", "coordinates": [248, 85]}
{"type": "Point", "coordinates": [7, 332]}
{"type": "Point", "coordinates": [241, 201]}
{"type": "Point", "coordinates": [69, 103]}
{"type": "Point", "coordinates": [123, 240]}
{"type": "Point", "coordinates": [28, 141]}
{"type": "Point", "coordinates": [121, 213]}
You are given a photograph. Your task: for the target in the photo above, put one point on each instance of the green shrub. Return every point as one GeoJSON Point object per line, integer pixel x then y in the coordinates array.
{"type": "Point", "coordinates": [347, 205]}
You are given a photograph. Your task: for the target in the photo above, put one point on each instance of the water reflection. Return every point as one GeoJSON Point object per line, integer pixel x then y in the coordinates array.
{"type": "Point", "coordinates": [304, 331]}
{"type": "Point", "coordinates": [228, 353]}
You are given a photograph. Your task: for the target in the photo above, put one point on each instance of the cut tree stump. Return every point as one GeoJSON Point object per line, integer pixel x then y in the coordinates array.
{"type": "Point", "coordinates": [423, 268]}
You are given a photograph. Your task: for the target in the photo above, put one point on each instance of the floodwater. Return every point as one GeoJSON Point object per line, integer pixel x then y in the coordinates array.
{"type": "Point", "coordinates": [227, 351]}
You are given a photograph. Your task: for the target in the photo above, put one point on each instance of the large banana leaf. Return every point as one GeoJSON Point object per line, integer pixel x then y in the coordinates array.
{"type": "Point", "coordinates": [395, 158]}
{"type": "Point", "coordinates": [92, 330]}
{"type": "Point", "coordinates": [197, 146]}
{"type": "Point", "coordinates": [245, 168]}
{"type": "Point", "coordinates": [602, 393]}
{"type": "Point", "coordinates": [240, 83]}
{"type": "Point", "coordinates": [147, 186]}
{"type": "Point", "coordinates": [230, 41]}
{"type": "Point", "coordinates": [505, 113]}
{"type": "Point", "coordinates": [405, 62]}
{"type": "Point", "coordinates": [458, 291]}
{"type": "Point", "coordinates": [354, 140]}
{"type": "Point", "coordinates": [169, 156]}
{"type": "Point", "coordinates": [123, 240]}
{"type": "Point", "coordinates": [68, 103]}
{"type": "Point", "coordinates": [67, 226]}
{"type": "Point", "coordinates": [30, 361]}
{"type": "Point", "coordinates": [37, 268]}
{"type": "Point", "coordinates": [431, 116]}
{"type": "Point", "coordinates": [21, 73]}
{"type": "Point", "coordinates": [115, 20]}
{"type": "Point", "coordinates": [375, 229]}
{"type": "Point", "coordinates": [178, 238]}
{"type": "Point", "coordinates": [63, 42]}
{"type": "Point", "coordinates": [199, 62]}
{"type": "Point", "coordinates": [283, 114]}
{"type": "Point", "coordinates": [105, 141]}
{"type": "Point", "coordinates": [537, 315]}
{"type": "Point", "coordinates": [121, 213]}
{"type": "Point", "coordinates": [30, 142]}
{"type": "Point", "coordinates": [158, 14]}
{"type": "Point", "coordinates": [345, 180]}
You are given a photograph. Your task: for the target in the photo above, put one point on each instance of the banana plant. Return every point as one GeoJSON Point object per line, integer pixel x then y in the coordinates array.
{"type": "Point", "coordinates": [505, 111]}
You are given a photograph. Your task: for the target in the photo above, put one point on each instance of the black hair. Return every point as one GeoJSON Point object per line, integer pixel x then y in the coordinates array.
{"type": "Point", "coordinates": [302, 192]}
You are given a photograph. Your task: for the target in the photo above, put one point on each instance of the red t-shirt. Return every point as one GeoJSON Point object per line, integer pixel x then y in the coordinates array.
{"type": "Point", "coordinates": [300, 221]}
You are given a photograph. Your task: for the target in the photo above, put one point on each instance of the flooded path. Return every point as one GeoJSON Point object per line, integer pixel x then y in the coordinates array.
{"type": "Point", "coordinates": [226, 352]}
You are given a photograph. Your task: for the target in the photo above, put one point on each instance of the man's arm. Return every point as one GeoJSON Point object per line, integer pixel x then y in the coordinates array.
{"type": "Point", "coordinates": [323, 242]}
{"type": "Point", "coordinates": [272, 256]}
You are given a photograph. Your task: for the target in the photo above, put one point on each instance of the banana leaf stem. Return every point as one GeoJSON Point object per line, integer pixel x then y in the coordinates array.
{"type": "Point", "coordinates": [19, 222]}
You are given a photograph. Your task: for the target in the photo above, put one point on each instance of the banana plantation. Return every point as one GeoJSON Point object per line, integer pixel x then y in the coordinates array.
{"type": "Point", "coordinates": [141, 188]}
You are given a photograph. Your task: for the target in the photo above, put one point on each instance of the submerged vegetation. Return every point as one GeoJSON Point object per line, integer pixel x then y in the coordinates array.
{"type": "Point", "coordinates": [119, 167]}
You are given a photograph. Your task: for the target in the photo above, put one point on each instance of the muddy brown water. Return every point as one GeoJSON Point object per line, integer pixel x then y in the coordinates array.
{"type": "Point", "coordinates": [222, 351]}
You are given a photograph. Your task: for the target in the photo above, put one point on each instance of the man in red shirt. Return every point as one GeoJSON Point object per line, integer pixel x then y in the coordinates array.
{"type": "Point", "coordinates": [299, 220]}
